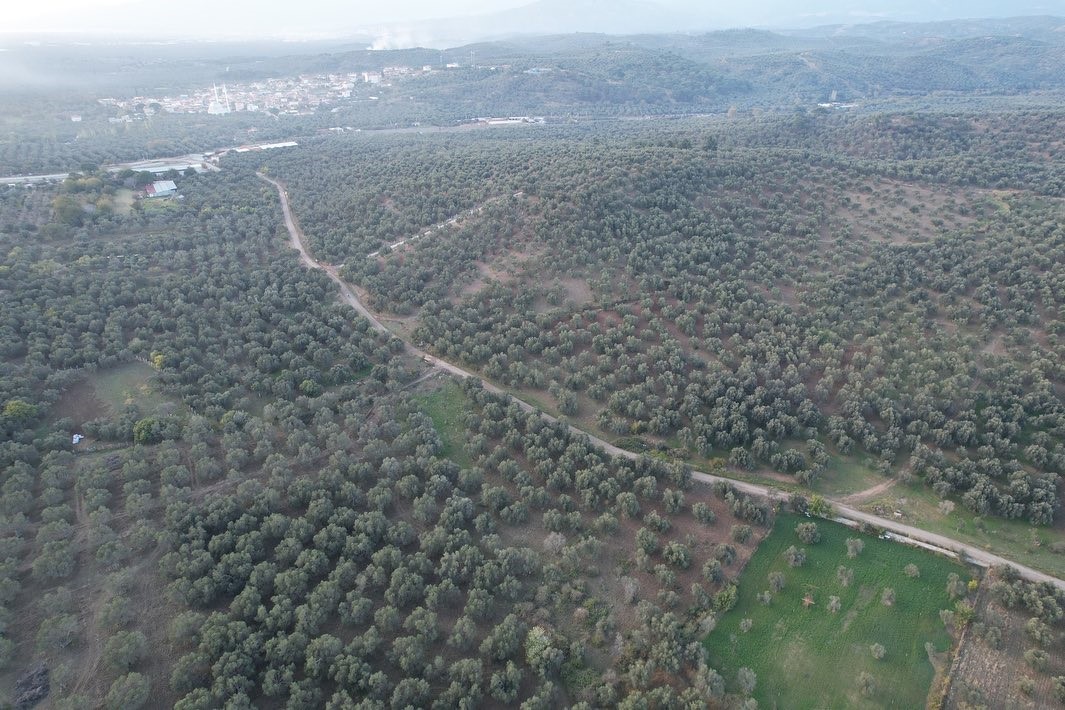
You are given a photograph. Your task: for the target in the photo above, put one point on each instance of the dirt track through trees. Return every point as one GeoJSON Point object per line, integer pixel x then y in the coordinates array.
{"type": "Point", "coordinates": [872, 492]}
{"type": "Point", "coordinates": [902, 532]}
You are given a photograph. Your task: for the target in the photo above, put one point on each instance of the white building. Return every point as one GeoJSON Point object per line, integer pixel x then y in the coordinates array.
{"type": "Point", "coordinates": [161, 188]}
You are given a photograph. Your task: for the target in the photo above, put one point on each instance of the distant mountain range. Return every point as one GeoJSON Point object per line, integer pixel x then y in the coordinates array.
{"type": "Point", "coordinates": [1043, 27]}
{"type": "Point", "coordinates": [341, 20]}
{"type": "Point", "coordinates": [544, 17]}
{"type": "Point", "coordinates": [636, 62]}
{"type": "Point", "coordinates": [902, 19]}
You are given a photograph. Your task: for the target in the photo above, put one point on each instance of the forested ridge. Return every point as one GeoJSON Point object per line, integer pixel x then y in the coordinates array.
{"type": "Point", "coordinates": [763, 304]}
{"type": "Point", "coordinates": [993, 65]}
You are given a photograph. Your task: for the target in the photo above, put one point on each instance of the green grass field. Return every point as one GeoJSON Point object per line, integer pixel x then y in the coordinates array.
{"type": "Point", "coordinates": [845, 475]}
{"type": "Point", "coordinates": [128, 384]}
{"type": "Point", "coordinates": [446, 407]}
{"type": "Point", "coordinates": [809, 657]}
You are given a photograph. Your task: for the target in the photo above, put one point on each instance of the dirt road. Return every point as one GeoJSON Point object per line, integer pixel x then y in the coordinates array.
{"type": "Point", "coordinates": [446, 223]}
{"type": "Point", "coordinates": [973, 554]}
{"type": "Point", "coordinates": [298, 241]}
{"type": "Point", "coordinates": [868, 493]}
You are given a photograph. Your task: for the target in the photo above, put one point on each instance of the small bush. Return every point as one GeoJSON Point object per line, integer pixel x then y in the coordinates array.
{"type": "Point", "coordinates": [854, 547]}
{"type": "Point", "coordinates": [796, 557]}
{"type": "Point", "coordinates": [808, 533]}
{"type": "Point", "coordinates": [1037, 658]}
{"type": "Point", "coordinates": [741, 533]}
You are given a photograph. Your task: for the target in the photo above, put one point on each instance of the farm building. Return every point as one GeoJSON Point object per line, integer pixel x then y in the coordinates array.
{"type": "Point", "coordinates": [161, 188]}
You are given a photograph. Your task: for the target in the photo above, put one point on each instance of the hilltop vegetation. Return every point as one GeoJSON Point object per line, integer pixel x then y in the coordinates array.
{"type": "Point", "coordinates": [772, 307]}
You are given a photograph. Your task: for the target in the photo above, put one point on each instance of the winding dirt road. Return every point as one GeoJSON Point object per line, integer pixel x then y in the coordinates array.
{"type": "Point", "coordinates": [902, 532]}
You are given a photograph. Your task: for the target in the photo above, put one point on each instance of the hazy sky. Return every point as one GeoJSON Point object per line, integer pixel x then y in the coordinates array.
{"type": "Point", "coordinates": [50, 15]}
{"type": "Point", "coordinates": [309, 18]}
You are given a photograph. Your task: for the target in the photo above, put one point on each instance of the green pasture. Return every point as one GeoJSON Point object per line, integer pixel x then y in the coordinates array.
{"type": "Point", "coordinates": [806, 656]}
{"type": "Point", "coordinates": [446, 407]}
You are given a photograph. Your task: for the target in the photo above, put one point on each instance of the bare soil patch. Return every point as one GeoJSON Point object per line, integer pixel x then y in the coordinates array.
{"type": "Point", "coordinates": [987, 674]}
{"type": "Point", "coordinates": [995, 346]}
{"type": "Point", "coordinates": [868, 493]}
{"type": "Point", "coordinates": [80, 404]}
{"type": "Point", "coordinates": [485, 273]}
{"type": "Point", "coordinates": [899, 213]}
{"type": "Point", "coordinates": [577, 291]}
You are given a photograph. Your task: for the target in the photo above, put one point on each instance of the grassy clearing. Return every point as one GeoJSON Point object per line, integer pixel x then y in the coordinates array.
{"type": "Point", "coordinates": [107, 392]}
{"type": "Point", "coordinates": [537, 400]}
{"type": "Point", "coordinates": [844, 476]}
{"type": "Point", "coordinates": [809, 657]}
{"type": "Point", "coordinates": [158, 205]}
{"type": "Point", "coordinates": [1014, 539]}
{"type": "Point", "coordinates": [446, 407]}
{"type": "Point", "coordinates": [128, 384]}
{"type": "Point", "coordinates": [123, 202]}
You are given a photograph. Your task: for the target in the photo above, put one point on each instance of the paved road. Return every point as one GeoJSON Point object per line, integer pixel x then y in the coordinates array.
{"type": "Point", "coordinates": [199, 161]}
{"type": "Point", "coordinates": [33, 179]}
{"type": "Point", "coordinates": [903, 532]}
